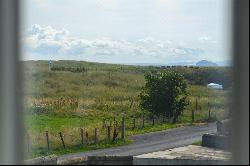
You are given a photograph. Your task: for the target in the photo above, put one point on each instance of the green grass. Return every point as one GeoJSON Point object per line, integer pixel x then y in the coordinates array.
{"type": "Point", "coordinates": [198, 143]}
{"type": "Point", "coordinates": [43, 151]}
{"type": "Point", "coordinates": [102, 92]}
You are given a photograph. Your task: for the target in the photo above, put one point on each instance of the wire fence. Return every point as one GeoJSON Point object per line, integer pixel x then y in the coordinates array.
{"type": "Point", "coordinates": [109, 131]}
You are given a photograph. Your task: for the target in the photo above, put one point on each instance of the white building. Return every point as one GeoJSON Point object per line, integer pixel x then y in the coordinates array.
{"type": "Point", "coordinates": [215, 86]}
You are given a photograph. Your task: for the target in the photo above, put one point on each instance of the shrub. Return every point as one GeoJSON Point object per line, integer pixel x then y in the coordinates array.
{"type": "Point", "coordinates": [164, 94]}
{"type": "Point", "coordinates": [38, 110]}
{"type": "Point", "coordinates": [71, 69]}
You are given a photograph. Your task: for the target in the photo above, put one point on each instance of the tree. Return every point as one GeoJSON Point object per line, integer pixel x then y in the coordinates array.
{"type": "Point", "coordinates": [165, 94]}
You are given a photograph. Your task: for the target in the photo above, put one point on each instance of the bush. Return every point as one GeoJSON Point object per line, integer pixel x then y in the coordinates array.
{"type": "Point", "coordinates": [71, 69]}
{"type": "Point", "coordinates": [164, 94]}
{"type": "Point", "coordinates": [38, 110]}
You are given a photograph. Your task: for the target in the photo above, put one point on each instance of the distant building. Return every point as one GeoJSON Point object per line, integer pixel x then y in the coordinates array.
{"type": "Point", "coordinates": [215, 86]}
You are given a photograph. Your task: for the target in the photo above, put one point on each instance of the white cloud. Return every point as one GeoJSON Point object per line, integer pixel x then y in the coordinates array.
{"type": "Point", "coordinates": [44, 41]}
{"type": "Point", "coordinates": [207, 39]}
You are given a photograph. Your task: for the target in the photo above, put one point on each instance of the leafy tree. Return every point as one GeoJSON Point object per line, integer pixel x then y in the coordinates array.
{"type": "Point", "coordinates": [165, 94]}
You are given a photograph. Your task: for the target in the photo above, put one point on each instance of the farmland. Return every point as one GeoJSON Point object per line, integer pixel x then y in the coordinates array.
{"type": "Point", "coordinates": [73, 95]}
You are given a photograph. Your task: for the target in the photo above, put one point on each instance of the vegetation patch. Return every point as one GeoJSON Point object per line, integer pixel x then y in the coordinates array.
{"type": "Point", "coordinates": [198, 143]}
{"type": "Point", "coordinates": [67, 100]}
{"type": "Point", "coordinates": [71, 69]}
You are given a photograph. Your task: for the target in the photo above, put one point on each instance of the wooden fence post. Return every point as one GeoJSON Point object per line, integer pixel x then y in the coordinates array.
{"type": "Point", "coordinates": [209, 111]}
{"type": "Point", "coordinates": [192, 116]}
{"type": "Point", "coordinates": [47, 139]}
{"type": "Point", "coordinates": [96, 139]}
{"type": "Point", "coordinates": [196, 109]}
{"type": "Point", "coordinates": [82, 140]}
{"type": "Point", "coordinates": [87, 137]}
{"type": "Point", "coordinates": [143, 121]}
{"type": "Point", "coordinates": [196, 104]}
{"type": "Point", "coordinates": [61, 136]}
{"type": "Point", "coordinates": [134, 123]}
{"type": "Point", "coordinates": [163, 119]}
{"type": "Point", "coordinates": [114, 135]}
{"type": "Point", "coordinates": [123, 127]}
{"type": "Point", "coordinates": [109, 132]}
{"type": "Point", "coordinates": [209, 115]}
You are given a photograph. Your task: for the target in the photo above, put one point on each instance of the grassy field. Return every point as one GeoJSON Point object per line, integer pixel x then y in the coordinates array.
{"type": "Point", "coordinates": [91, 95]}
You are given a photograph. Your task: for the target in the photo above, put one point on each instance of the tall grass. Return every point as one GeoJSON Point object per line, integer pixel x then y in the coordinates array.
{"type": "Point", "coordinates": [65, 101]}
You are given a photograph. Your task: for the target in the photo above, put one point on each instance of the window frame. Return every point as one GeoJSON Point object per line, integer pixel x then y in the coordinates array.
{"type": "Point", "coordinates": [11, 127]}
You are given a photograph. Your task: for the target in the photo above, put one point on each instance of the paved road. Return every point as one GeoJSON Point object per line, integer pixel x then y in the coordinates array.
{"type": "Point", "coordinates": [155, 141]}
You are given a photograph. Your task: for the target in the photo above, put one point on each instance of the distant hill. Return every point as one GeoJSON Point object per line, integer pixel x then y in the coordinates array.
{"type": "Point", "coordinates": [205, 63]}
{"type": "Point", "coordinates": [162, 64]}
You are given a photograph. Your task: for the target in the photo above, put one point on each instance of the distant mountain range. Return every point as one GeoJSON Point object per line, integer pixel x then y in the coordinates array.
{"type": "Point", "coordinates": [202, 63]}
{"type": "Point", "coordinates": [205, 63]}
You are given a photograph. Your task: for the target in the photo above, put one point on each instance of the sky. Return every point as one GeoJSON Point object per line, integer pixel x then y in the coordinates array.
{"type": "Point", "coordinates": [127, 31]}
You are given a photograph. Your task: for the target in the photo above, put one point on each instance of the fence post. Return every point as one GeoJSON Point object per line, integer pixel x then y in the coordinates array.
{"type": "Point", "coordinates": [87, 137]}
{"type": "Point", "coordinates": [196, 104]}
{"type": "Point", "coordinates": [123, 127]}
{"type": "Point", "coordinates": [153, 121]}
{"type": "Point", "coordinates": [134, 123]}
{"type": "Point", "coordinates": [96, 139]}
{"type": "Point", "coordinates": [196, 109]}
{"type": "Point", "coordinates": [115, 134]}
{"type": "Point", "coordinates": [82, 140]}
{"type": "Point", "coordinates": [209, 111]}
{"type": "Point", "coordinates": [163, 119]}
{"type": "Point", "coordinates": [109, 132]}
{"type": "Point", "coordinates": [47, 139]}
{"type": "Point", "coordinates": [61, 136]}
{"type": "Point", "coordinates": [192, 116]}
{"type": "Point", "coordinates": [209, 115]}
{"type": "Point", "coordinates": [143, 121]}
